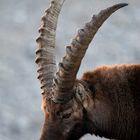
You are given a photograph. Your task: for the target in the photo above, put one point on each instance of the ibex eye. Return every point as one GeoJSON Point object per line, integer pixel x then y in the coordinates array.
{"type": "Point", "coordinates": [66, 115]}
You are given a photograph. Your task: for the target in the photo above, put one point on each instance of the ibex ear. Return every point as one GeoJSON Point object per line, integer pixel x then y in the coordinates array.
{"type": "Point", "coordinates": [84, 94]}
{"type": "Point", "coordinates": [88, 103]}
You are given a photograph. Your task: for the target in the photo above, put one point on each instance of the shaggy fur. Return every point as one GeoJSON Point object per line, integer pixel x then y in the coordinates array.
{"type": "Point", "coordinates": [116, 111]}
{"type": "Point", "coordinates": [108, 106]}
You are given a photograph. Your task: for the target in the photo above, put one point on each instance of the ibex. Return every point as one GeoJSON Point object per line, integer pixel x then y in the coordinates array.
{"type": "Point", "coordinates": [104, 102]}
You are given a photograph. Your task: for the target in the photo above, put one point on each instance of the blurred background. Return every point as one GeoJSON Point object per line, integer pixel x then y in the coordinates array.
{"type": "Point", "coordinates": [116, 42]}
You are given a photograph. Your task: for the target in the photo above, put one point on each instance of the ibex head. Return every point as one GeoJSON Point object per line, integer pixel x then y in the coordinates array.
{"type": "Point", "coordinates": [67, 102]}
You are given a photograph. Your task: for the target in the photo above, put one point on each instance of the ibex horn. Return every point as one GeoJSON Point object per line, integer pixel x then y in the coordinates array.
{"type": "Point", "coordinates": [46, 45]}
{"type": "Point", "coordinates": [65, 77]}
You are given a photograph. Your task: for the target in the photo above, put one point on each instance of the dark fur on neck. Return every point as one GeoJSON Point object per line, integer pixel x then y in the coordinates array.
{"type": "Point", "coordinates": [116, 108]}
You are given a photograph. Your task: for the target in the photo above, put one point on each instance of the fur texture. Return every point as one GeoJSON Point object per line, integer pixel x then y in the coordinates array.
{"type": "Point", "coordinates": [116, 108]}
{"type": "Point", "coordinates": [106, 103]}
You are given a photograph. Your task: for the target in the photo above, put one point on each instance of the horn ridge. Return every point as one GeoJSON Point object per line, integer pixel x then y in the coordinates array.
{"type": "Point", "coordinates": [45, 53]}
{"type": "Point", "coordinates": [75, 52]}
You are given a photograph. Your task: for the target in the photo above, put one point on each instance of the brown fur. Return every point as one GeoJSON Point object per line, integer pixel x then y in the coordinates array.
{"type": "Point", "coordinates": [108, 106]}
{"type": "Point", "coordinates": [105, 102]}
{"type": "Point", "coordinates": [117, 89]}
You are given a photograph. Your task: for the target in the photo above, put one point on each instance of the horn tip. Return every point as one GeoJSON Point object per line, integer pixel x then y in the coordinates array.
{"type": "Point", "coordinates": [121, 5]}
{"type": "Point", "coordinates": [124, 4]}
{"type": "Point", "coordinates": [118, 6]}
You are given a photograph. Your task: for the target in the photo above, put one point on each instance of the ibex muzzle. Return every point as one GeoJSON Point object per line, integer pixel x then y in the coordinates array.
{"type": "Point", "coordinates": [104, 102]}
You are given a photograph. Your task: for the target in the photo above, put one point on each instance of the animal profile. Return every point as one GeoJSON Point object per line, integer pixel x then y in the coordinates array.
{"type": "Point", "coordinates": [104, 102]}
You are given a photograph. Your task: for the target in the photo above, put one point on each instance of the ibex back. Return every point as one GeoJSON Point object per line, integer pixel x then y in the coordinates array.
{"type": "Point", "coordinates": [104, 102]}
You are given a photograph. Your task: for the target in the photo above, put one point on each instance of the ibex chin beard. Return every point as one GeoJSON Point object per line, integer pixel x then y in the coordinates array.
{"type": "Point", "coordinates": [104, 102]}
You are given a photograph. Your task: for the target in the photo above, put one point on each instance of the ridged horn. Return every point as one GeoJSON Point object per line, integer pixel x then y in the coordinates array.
{"type": "Point", "coordinates": [45, 53]}
{"type": "Point", "coordinates": [65, 77]}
